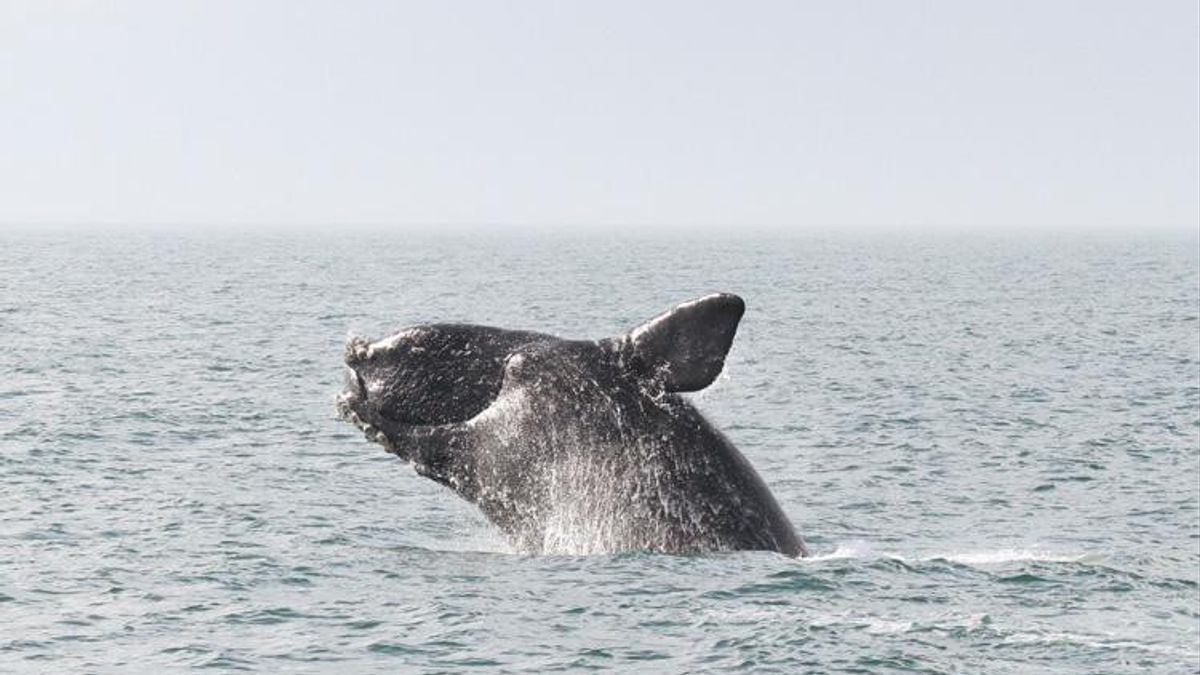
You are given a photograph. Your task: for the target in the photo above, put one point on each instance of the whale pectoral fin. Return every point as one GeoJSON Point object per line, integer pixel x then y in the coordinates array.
{"type": "Point", "coordinates": [684, 349]}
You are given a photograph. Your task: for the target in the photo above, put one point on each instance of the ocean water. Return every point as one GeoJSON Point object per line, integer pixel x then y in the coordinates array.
{"type": "Point", "coordinates": [991, 444]}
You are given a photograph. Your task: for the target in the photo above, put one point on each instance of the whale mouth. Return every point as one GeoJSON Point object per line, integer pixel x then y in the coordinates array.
{"type": "Point", "coordinates": [359, 386]}
{"type": "Point", "coordinates": [354, 392]}
{"type": "Point", "coordinates": [354, 395]}
{"type": "Point", "coordinates": [352, 407]}
{"type": "Point", "coordinates": [353, 385]}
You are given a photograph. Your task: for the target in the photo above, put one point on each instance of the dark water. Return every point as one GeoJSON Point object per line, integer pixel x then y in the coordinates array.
{"type": "Point", "coordinates": [992, 444]}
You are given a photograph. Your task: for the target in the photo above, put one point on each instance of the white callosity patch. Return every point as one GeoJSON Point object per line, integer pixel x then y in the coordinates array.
{"type": "Point", "coordinates": [390, 343]}
{"type": "Point", "coordinates": [358, 348]}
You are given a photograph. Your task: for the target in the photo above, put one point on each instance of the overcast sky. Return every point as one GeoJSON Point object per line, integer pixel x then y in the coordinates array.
{"type": "Point", "coordinates": [781, 114]}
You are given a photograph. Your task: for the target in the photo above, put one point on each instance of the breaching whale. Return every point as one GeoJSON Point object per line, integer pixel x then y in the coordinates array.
{"type": "Point", "coordinates": [573, 446]}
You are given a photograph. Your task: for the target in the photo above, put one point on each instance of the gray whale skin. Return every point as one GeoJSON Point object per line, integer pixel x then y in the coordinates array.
{"type": "Point", "coordinates": [573, 446]}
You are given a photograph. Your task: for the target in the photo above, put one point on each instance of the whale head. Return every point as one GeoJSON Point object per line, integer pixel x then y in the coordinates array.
{"type": "Point", "coordinates": [442, 374]}
{"type": "Point", "coordinates": [427, 375]}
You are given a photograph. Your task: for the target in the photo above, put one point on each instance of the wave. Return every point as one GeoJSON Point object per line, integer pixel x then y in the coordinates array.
{"type": "Point", "coordinates": [1008, 555]}
{"type": "Point", "coordinates": [974, 558]}
{"type": "Point", "coordinates": [1104, 641]}
{"type": "Point", "coordinates": [995, 632]}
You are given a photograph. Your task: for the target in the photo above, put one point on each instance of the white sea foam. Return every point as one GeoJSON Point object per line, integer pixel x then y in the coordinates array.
{"type": "Point", "coordinates": [1007, 555]}
{"type": "Point", "coordinates": [849, 549]}
{"type": "Point", "coordinates": [877, 625]}
{"type": "Point", "coordinates": [866, 550]}
{"type": "Point", "coordinates": [1097, 642]}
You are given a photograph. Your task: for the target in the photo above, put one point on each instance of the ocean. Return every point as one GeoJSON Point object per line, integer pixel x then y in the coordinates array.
{"type": "Point", "coordinates": [990, 442]}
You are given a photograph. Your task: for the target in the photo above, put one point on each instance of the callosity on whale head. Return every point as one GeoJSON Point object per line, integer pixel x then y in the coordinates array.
{"type": "Point", "coordinates": [573, 446]}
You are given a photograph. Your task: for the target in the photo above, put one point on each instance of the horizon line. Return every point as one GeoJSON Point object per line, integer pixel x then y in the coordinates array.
{"type": "Point", "coordinates": [594, 227]}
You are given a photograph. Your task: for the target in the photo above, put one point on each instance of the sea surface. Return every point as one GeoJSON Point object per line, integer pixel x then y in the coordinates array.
{"type": "Point", "coordinates": [991, 444]}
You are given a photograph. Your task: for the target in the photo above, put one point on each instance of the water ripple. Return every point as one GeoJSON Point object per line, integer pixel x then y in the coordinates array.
{"type": "Point", "coordinates": [992, 447]}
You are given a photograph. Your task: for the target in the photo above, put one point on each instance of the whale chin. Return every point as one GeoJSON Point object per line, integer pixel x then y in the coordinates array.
{"type": "Point", "coordinates": [355, 384]}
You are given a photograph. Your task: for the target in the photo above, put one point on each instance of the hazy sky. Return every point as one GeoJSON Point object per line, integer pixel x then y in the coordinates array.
{"type": "Point", "coordinates": [785, 114]}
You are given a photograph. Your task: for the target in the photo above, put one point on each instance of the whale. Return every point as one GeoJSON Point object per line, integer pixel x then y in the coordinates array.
{"type": "Point", "coordinates": [572, 446]}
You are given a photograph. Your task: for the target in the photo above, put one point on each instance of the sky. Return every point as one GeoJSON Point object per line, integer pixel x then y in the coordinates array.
{"type": "Point", "coordinates": [792, 115]}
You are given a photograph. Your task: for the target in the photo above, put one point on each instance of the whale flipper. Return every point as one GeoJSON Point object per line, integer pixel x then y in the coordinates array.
{"type": "Point", "coordinates": [684, 348]}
